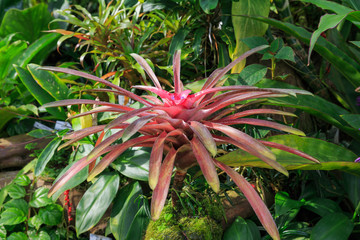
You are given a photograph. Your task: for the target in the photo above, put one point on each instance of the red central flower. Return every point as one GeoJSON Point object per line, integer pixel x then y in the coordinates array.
{"type": "Point", "coordinates": [184, 127]}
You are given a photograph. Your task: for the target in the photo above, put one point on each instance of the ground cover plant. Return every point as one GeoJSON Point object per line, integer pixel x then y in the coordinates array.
{"type": "Point", "coordinates": [182, 117]}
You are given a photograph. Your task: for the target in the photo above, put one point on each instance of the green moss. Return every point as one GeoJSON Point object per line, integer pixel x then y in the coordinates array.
{"type": "Point", "coordinates": [200, 228]}
{"type": "Point", "coordinates": [214, 209]}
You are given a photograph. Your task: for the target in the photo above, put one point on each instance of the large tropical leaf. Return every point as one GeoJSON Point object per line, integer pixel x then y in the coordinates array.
{"type": "Point", "coordinates": [330, 155]}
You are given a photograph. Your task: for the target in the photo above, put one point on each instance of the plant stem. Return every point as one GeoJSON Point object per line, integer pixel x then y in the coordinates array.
{"type": "Point", "coordinates": [177, 186]}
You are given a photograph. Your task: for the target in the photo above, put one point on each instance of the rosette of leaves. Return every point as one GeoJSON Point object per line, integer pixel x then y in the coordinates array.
{"type": "Point", "coordinates": [185, 128]}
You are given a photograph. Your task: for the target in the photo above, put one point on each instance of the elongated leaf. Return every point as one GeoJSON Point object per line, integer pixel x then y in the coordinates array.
{"type": "Point", "coordinates": [254, 199]}
{"type": "Point", "coordinates": [340, 157]}
{"type": "Point", "coordinates": [204, 136]}
{"type": "Point", "coordinates": [38, 92]}
{"type": "Point", "coordinates": [208, 5]}
{"type": "Point", "coordinates": [95, 201]}
{"type": "Point", "coordinates": [125, 117]}
{"type": "Point", "coordinates": [155, 160]}
{"type": "Point", "coordinates": [46, 155]}
{"type": "Point", "coordinates": [135, 126]}
{"type": "Point", "coordinates": [161, 190]}
{"type": "Point", "coordinates": [335, 226]}
{"type": "Point", "coordinates": [138, 225]}
{"type": "Point", "coordinates": [244, 28]}
{"type": "Point", "coordinates": [206, 164]}
{"type": "Point", "coordinates": [178, 40]}
{"type": "Point", "coordinates": [242, 229]}
{"type": "Point", "coordinates": [147, 68]}
{"type": "Point", "coordinates": [124, 210]}
{"type": "Point", "coordinates": [176, 69]}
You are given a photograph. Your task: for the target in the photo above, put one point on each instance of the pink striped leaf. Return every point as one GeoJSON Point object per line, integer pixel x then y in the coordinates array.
{"type": "Point", "coordinates": [135, 126]}
{"type": "Point", "coordinates": [68, 102]}
{"type": "Point", "coordinates": [176, 70]}
{"type": "Point", "coordinates": [258, 111]}
{"type": "Point", "coordinates": [98, 110]}
{"type": "Point", "coordinates": [204, 136]}
{"type": "Point", "coordinates": [80, 134]}
{"type": "Point", "coordinates": [155, 160]}
{"type": "Point", "coordinates": [254, 199]}
{"type": "Point", "coordinates": [97, 79]}
{"type": "Point", "coordinates": [263, 123]}
{"type": "Point", "coordinates": [162, 188]}
{"type": "Point", "coordinates": [142, 62]}
{"type": "Point", "coordinates": [206, 164]}
{"type": "Point", "coordinates": [105, 143]}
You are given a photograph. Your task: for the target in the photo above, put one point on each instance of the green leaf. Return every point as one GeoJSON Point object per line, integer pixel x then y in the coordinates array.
{"type": "Point", "coordinates": [50, 82]}
{"type": "Point", "coordinates": [242, 229]}
{"type": "Point", "coordinates": [40, 199]}
{"type": "Point", "coordinates": [340, 157]}
{"type": "Point", "coordinates": [329, 5]}
{"type": "Point", "coordinates": [2, 232]}
{"type": "Point", "coordinates": [8, 56]}
{"type": "Point", "coordinates": [208, 5]}
{"type": "Point", "coordinates": [22, 180]}
{"type": "Point", "coordinates": [39, 133]}
{"type": "Point", "coordinates": [3, 195]}
{"type": "Point", "coordinates": [18, 236]}
{"type": "Point", "coordinates": [12, 216]}
{"type": "Point", "coordinates": [326, 22]}
{"type": "Point", "coordinates": [35, 222]}
{"type": "Point", "coordinates": [356, 43]}
{"type": "Point", "coordinates": [178, 41]}
{"type": "Point", "coordinates": [10, 112]}
{"type": "Point", "coordinates": [352, 119]}
{"type": "Point", "coordinates": [139, 224]}
{"type": "Point", "coordinates": [51, 215]}
{"type": "Point", "coordinates": [38, 92]}
{"type": "Point", "coordinates": [322, 206]}
{"type": "Point", "coordinates": [46, 155]}
{"type": "Point", "coordinates": [284, 204]}
{"type": "Point", "coordinates": [16, 191]}
{"type": "Point", "coordinates": [124, 210]}
{"type": "Point", "coordinates": [335, 226]}
{"type": "Point", "coordinates": [250, 75]}
{"type": "Point", "coordinates": [20, 204]}
{"type": "Point", "coordinates": [42, 235]}
{"type": "Point", "coordinates": [28, 23]}
{"type": "Point", "coordinates": [95, 201]}
{"type": "Point", "coordinates": [286, 53]}
{"type": "Point", "coordinates": [244, 28]}
{"type": "Point", "coordinates": [134, 164]}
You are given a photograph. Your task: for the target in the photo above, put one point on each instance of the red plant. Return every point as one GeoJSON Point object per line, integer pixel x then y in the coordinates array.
{"type": "Point", "coordinates": [186, 128]}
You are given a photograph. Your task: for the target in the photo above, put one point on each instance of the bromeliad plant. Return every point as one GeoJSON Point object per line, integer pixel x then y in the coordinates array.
{"type": "Point", "coordinates": [184, 127]}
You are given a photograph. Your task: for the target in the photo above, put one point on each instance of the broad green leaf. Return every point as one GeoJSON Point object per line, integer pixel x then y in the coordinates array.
{"type": "Point", "coordinates": [283, 204]}
{"type": "Point", "coordinates": [20, 204]}
{"type": "Point", "coordinates": [286, 53]}
{"type": "Point", "coordinates": [10, 112]}
{"type": "Point", "coordinates": [322, 206]}
{"type": "Point", "coordinates": [329, 5]}
{"type": "Point", "coordinates": [17, 236]}
{"type": "Point", "coordinates": [134, 164]}
{"type": "Point", "coordinates": [356, 43]}
{"type": "Point", "coordinates": [330, 155]}
{"type": "Point", "coordinates": [36, 222]}
{"type": "Point", "coordinates": [208, 5]}
{"type": "Point", "coordinates": [46, 155]}
{"type": "Point", "coordinates": [242, 229]}
{"type": "Point", "coordinates": [138, 225]}
{"type": "Point", "coordinates": [42, 235]}
{"type": "Point", "coordinates": [16, 191]}
{"type": "Point", "coordinates": [51, 214]}
{"type": "Point", "coordinates": [50, 82]}
{"type": "Point", "coordinates": [95, 201]}
{"type": "Point", "coordinates": [326, 22]}
{"type": "Point", "coordinates": [124, 210]}
{"type": "Point", "coordinates": [12, 216]}
{"type": "Point", "coordinates": [40, 199]}
{"type": "Point", "coordinates": [38, 92]}
{"type": "Point", "coordinates": [352, 119]}
{"type": "Point", "coordinates": [8, 56]}
{"type": "Point", "coordinates": [335, 226]}
{"type": "Point", "coordinates": [244, 28]}
{"type": "Point", "coordinates": [2, 232]}
{"type": "Point", "coordinates": [28, 23]}
{"type": "Point", "coordinates": [22, 180]}
{"type": "Point", "coordinates": [250, 75]}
